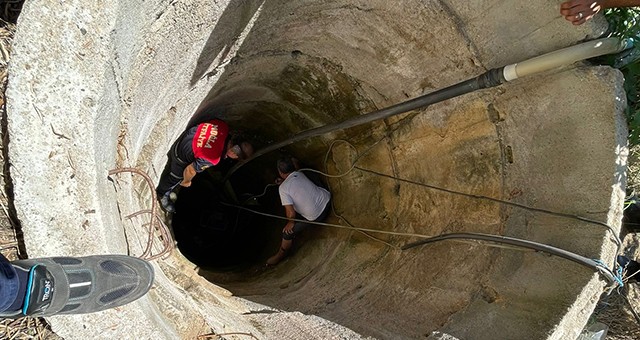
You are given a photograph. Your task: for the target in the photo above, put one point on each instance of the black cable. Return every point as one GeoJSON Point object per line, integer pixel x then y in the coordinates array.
{"type": "Point", "coordinates": [522, 206]}
{"type": "Point", "coordinates": [590, 263]}
{"type": "Point", "coordinates": [595, 265]}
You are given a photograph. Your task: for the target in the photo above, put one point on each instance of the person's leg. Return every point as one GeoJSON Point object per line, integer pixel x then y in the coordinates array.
{"type": "Point", "coordinates": [166, 186]}
{"type": "Point", "coordinates": [11, 298]}
{"type": "Point", "coordinates": [171, 176]}
{"type": "Point", "coordinates": [71, 285]}
{"type": "Point", "coordinates": [179, 157]}
{"type": "Point", "coordinates": [287, 241]}
{"type": "Point", "coordinates": [285, 245]}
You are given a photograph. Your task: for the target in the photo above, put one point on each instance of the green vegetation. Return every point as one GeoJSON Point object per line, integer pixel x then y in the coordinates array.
{"type": "Point", "coordinates": [625, 23]}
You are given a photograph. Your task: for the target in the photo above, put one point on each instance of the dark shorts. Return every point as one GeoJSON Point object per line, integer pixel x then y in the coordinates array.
{"type": "Point", "coordinates": [300, 226]}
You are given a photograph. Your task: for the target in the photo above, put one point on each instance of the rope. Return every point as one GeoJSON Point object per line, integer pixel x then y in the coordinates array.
{"type": "Point", "coordinates": [326, 224]}
{"type": "Point", "coordinates": [454, 192]}
{"type": "Point", "coordinates": [617, 276]}
{"type": "Point", "coordinates": [429, 186]}
{"type": "Point", "coordinates": [264, 192]}
{"type": "Point", "coordinates": [496, 200]}
{"type": "Point", "coordinates": [615, 279]}
{"type": "Point", "coordinates": [518, 244]}
{"type": "Point", "coordinates": [156, 222]}
{"type": "Point", "coordinates": [353, 164]}
{"type": "Point", "coordinates": [368, 230]}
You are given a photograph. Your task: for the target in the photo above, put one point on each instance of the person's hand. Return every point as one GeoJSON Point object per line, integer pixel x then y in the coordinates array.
{"type": "Point", "coordinates": [579, 11]}
{"type": "Point", "coordinates": [188, 174]}
{"type": "Point", "coordinates": [288, 229]}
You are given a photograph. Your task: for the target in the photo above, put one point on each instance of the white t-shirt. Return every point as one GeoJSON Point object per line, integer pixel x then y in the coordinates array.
{"type": "Point", "coordinates": [308, 199]}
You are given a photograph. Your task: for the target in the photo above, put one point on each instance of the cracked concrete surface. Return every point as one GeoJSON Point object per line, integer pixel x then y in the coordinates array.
{"type": "Point", "coordinates": [97, 85]}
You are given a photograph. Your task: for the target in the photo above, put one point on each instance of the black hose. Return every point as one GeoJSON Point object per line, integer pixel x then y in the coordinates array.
{"type": "Point", "coordinates": [488, 79]}
{"type": "Point", "coordinates": [587, 262]}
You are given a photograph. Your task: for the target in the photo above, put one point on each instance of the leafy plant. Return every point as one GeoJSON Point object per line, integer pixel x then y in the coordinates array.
{"type": "Point", "coordinates": [632, 88]}
{"type": "Point", "coordinates": [624, 22]}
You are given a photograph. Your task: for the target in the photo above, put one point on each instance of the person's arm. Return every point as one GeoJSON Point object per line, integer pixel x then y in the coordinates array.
{"type": "Point", "coordinates": [291, 214]}
{"type": "Point", "coordinates": [580, 11]}
{"type": "Point", "coordinates": [198, 166]}
{"type": "Point", "coordinates": [188, 174]}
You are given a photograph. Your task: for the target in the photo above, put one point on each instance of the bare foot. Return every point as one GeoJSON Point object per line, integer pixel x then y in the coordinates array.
{"type": "Point", "coordinates": [275, 259]}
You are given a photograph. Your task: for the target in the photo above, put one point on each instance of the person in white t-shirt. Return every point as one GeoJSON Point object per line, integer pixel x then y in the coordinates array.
{"type": "Point", "coordinates": [302, 199]}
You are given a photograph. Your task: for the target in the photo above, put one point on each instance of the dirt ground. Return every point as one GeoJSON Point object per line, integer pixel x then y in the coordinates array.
{"type": "Point", "coordinates": [613, 310]}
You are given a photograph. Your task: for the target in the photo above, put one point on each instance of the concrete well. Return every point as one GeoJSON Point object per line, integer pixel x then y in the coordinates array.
{"type": "Point", "coordinates": [96, 85]}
